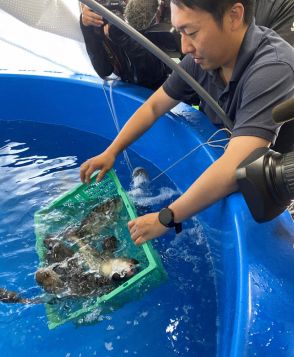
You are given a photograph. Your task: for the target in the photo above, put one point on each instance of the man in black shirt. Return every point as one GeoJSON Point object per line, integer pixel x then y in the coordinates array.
{"type": "Point", "coordinates": [247, 69]}
{"type": "Point", "coordinates": [112, 51]}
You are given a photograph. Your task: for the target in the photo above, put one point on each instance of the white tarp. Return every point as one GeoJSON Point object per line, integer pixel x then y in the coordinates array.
{"type": "Point", "coordinates": [56, 16]}
{"type": "Point", "coordinates": [42, 35]}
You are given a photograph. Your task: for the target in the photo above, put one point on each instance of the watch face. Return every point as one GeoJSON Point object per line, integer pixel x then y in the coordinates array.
{"type": "Point", "coordinates": [166, 217]}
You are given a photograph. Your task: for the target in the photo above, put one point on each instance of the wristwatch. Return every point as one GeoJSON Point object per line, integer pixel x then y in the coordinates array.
{"type": "Point", "coordinates": [166, 218]}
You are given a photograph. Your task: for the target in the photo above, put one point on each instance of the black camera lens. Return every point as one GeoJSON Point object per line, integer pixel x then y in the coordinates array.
{"type": "Point", "coordinates": [266, 180]}
{"type": "Point", "coordinates": [280, 176]}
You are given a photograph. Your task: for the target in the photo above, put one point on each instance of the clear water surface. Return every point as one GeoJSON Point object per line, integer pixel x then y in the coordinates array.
{"type": "Point", "coordinates": [38, 163]}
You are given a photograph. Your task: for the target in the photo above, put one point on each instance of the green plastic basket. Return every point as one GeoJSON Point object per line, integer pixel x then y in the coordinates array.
{"type": "Point", "coordinates": [70, 209]}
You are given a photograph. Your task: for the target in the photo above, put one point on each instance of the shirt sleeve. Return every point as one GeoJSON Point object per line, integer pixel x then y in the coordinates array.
{"type": "Point", "coordinates": [265, 87]}
{"type": "Point", "coordinates": [94, 41]}
{"type": "Point", "coordinates": [177, 88]}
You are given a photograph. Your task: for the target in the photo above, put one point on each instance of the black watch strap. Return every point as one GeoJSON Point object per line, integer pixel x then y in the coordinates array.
{"type": "Point", "coordinates": [178, 227]}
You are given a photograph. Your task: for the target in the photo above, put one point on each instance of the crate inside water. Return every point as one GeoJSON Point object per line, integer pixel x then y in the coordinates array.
{"type": "Point", "coordinates": [83, 237]}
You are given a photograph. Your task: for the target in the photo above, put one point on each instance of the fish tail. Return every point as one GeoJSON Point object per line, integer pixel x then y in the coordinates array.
{"type": "Point", "coordinates": [12, 297]}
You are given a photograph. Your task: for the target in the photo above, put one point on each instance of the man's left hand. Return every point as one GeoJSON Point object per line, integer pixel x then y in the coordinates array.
{"type": "Point", "coordinates": [145, 228]}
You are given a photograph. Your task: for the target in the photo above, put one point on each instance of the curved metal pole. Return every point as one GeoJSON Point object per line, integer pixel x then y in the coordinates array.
{"type": "Point", "coordinates": [142, 40]}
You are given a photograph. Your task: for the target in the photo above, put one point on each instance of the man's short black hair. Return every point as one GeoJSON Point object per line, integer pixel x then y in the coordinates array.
{"type": "Point", "coordinates": [217, 8]}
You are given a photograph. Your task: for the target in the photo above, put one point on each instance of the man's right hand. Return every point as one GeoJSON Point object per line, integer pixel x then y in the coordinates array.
{"type": "Point", "coordinates": [90, 18]}
{"type": "Point", "coordinates": [102, 162]}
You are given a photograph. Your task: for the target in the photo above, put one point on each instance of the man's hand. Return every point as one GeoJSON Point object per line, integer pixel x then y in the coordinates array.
{"type": "Point", "coordinates": [145, 228]}
{"type": "Point", "coordinates": [102, 162]}
{"type": "Point", "coordinates": [90, 18]}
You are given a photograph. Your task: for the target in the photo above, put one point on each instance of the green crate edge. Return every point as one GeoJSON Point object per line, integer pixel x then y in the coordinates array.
{"type": "Point", "coordinates": [154, 262]}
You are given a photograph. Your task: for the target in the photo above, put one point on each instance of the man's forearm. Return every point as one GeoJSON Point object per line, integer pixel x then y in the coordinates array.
{"type": "Point", "coordinates": [214, 184]}
{"type": "Point", "coordinates": [135, 127]}
{"type": "Point", "coordinates": [218, 180]}
{"type": "Point", "coordinates": [158, 104]}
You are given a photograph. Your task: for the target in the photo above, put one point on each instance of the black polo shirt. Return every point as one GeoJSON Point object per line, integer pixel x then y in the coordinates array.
{"type": "Point", "coordinates": [262, 78]}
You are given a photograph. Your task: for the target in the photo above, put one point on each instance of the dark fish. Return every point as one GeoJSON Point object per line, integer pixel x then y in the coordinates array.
{"type": "Point", "coordinates": [100, 217]}
{"type": "Point", "coordinates": [56, 250]}
{"type": "Point", "coordinates": [74, 268]}
{"type": "Point", "coordinates": [86, 269]}
{"type": "Point", "coordinates": [140, 178]}
{"type": "Point", "coordinates": [79, 275]}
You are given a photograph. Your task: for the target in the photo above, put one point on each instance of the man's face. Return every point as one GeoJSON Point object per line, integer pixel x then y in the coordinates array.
{"type": "Point", "coordinates": [203, 38]}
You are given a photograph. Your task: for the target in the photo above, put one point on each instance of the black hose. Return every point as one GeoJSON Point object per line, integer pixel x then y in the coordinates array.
{"type": "Point", "coordinates": [143, 41]}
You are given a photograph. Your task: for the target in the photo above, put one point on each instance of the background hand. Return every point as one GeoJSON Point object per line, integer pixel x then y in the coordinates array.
{"type": "Point", "coordinates": [106, 30]}
{"type": "Point", "coordinates": [90, 18]}
{"type": "Point", "coordinates": [145, 228]}
{"type": "Point", "coordinates": [102, 162]}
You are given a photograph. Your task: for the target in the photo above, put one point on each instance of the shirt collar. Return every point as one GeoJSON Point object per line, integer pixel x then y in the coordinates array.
{"type": "Point", "coordinates": [247, 50]}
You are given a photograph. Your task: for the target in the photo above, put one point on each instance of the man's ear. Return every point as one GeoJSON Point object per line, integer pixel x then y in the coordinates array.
{"type": "Point", "coordinates": [236, 16]}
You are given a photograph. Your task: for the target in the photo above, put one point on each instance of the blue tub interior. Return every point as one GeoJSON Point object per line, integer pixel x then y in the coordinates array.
{"type": "Point", "coordinates": [253, 264]}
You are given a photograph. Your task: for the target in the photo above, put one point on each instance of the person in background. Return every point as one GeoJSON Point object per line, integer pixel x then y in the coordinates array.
{"type": "Point", "coordinates": [246, 68]}
{"type": "Point", "coordinates": [277, 15]}
{"type": "Point", "coordinates": [112, 51]}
